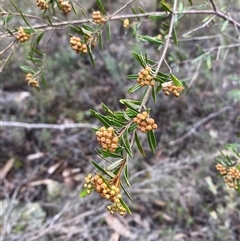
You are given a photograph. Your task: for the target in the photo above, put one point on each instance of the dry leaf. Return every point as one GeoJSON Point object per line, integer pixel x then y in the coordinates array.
{"type": "Point", "coordinates": [118, 227]}
{"type": "Point", "coordinates": [114, 237]}
{"type": "Point", "coordinates": [34, 156]}
{"type": "Point", "coordinates": [7, 167]}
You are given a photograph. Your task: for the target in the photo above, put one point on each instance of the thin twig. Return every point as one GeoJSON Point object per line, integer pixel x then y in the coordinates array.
{"type": "Point", "coordinates": [199, 27]}
{"type": "Point", "coordinates": [48, 27]}
{"type": "Point", "coordinates": [223, 15]}
{"type": "Point", "coordinates": [168, 36]}
{"type": "Point", "coordinates": [120, 9]}
{"type": "Point", "coordinates": [192, 130]}
{"type": "Point", "coordinates": [196, 74]}
{"type": "Point", "coordinates": [45, 126]}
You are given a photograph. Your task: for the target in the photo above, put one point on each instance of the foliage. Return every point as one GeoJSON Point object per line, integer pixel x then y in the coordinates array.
{"type": "Point", "coordinates": [120, 130]}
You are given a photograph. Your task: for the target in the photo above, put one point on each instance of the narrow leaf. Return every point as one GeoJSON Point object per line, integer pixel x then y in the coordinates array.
{"type": "Point", "coordinates": [108, 29]}
{"type": "Point", "coordinates": [224, 26]}
{"type": "Point", "coordinates": [114, 165]}
{"type": "Point", "coordinates": [102, 170]}
{"type": "Point", "coordinates": [126, 175]}
{"type": "Point", "coordinates": [154, 96]}
{"type": "Point", "coordinates": [175, 39]}
{"type": "Point", "coordinates": [43, 80]}
{"type": "Point", "coordinates": [151, 141]}
{"type": "Point", "coordinates": [139, 145]}
{"type": "Point", "coordinates": [83, 193]}
{"type": "Point", "coordinates": [7, 20]}
{"type": "Point", "coordinates": [100, 5]}
{"type": "Point", "coordinates": [166, 6]}
{"type": "Point", "coordinates": [90, 54]}
{"type": "Point", "coordinates": [126, 144]}
{"type": "Point", "coordinates": [152, 40]}
{"type": "Point", "coordinates": [208, 61]}
{"type": "Point", "coordinates": [125, 206]}
{"type": "Point", "coordinates": [134, 88]}
{"type": "Point", "coordinates": [101, 118]}
{"type": "Point", "coordinates": [175, 80]}
{"type": "Point", "coordinates": [39, 37]}
{"type": "Point", "coordinates": [126, 192]}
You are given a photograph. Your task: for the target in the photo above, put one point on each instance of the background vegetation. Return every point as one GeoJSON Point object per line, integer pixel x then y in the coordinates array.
{"type": "Point", "coordinates": [177, 192]}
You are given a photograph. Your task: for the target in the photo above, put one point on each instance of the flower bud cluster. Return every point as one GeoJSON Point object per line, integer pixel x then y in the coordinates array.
{"type": "Point", "coordinates": [97, 17]}
{"type": "Point", "coordinates": [145, 78]}
{"type": "Point", "coordinates": [107, 139]}
{"type": "Point", "coordinates": [31, 81]}
{"type": "Point", "coordinates": [64, 6]}
{"type": "Point", "coordinates": [126, 23]}
{"type": "Point", "coordinates": [22, 36]}
{"type": "Point", "coordinates": [144, 122]}
{"type": "Point", "coordinates": [231, 175]}
{"type": "Point", "coordinates": [42, 4]}
{"type": "Point", "coordinates": [77, 45]}
{"type": "Point", "coordinates": [105, 190]}
{"type": "Point", "coordinates": [170, 88]}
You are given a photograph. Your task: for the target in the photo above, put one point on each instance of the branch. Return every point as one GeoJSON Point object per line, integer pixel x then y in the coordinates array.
{"type": "Point", "coordinates": [223, 15]}
{"type": "Point", "coordinates": [48, 27]}
{"type": "Point", "coordinates": [61, 127]}
{"type": "Point", "coordinates": [169, 35]}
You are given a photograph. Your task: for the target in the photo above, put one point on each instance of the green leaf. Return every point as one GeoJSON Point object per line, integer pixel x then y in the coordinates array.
{"type": "Point", "coordinates": [102, 170]}
{"type": "Point", "coordinates": [131, 104]}
{"type": "Point", "coordinates": [34, 60]}
{"type": "Point", "coordinates": [152, 141]}
{"type": "Point", "coordinates": [134, 88]}
{"type": "Point", "coordinates": [101, 118]}
{"type": "Point", "coordinates": [25, 20]}
{"type": "Point", "coordinates": [125, 206]}
{"type": "Point", "coordinates": [166, 6]}
{"type": "Point", "coordinates": [27, 69]}
{"type": "Point", "coordinates": [83, 193]}
{"type": "Point", "coordinates": [126, 143]}
{"type": "Point", "coordinates": [108, 29]}
{"type": "Point", "coordinates": [180, 7]}
{"type": "Point", "coordinates": [140, 58]}
{"type": "Point", "coordinates": [126, 192]}
{"type": "Point", "coordinates": [89, 48]}
{"type": "Point", "coordinates": [152, 40]}
{"type": "Point", "coordinates": [7, 20]}
{"type": "Point", "coordinates": [126, 175]}
{"type": "Point", "coordinates": [224, 26]}
{"type": "Point", "coordinates": [190, 1]}
{"type": "Point", "coordinates": [73, 8]}
{"type": "Point", "coordinates": [100, 43]}
{"type": "Point", "coordinates": [141, 10]}
{"type": "Point", "coordinates": [132, 76]}
{"type": "Point", "coordinates": [139, 145]}
{"type": "Point", "coordinates": [154, 96]}
{"type": "Point", "coordinates": [39, 37]}
{"type": "Point", "coordinates": [157, 16]}
{"type": "Point", "coordinates": [18, 9]}
{"type": "Point", "coordinates": [43, 80]}
{"type": "Point", "coordinates": [175, 80]}
{"type": "Point", "coordinates": [159, 87]}
{"type": "Point", "coordinates": [49, 20]}
{"type": "Point", "coordinates": [107, 109]}
{"type": "Point", "coordinates": [175, 39]}
{"type": "Point", "coordinates": [114, 165]}
{"type": "Point", "coordinates": [76, 30]}
{"type": "Point", "coordinates": [134, 30]}
{"type": "Point", "coordinates": [133, 127]}
{"type": "Point", "coordinates": [100, 5]}
{"type": "Point", "coordinates": [208, 61]}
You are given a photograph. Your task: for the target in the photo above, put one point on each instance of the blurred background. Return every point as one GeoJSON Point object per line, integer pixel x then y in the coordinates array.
{"type": "Point", "coordinates": [178, 194]}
